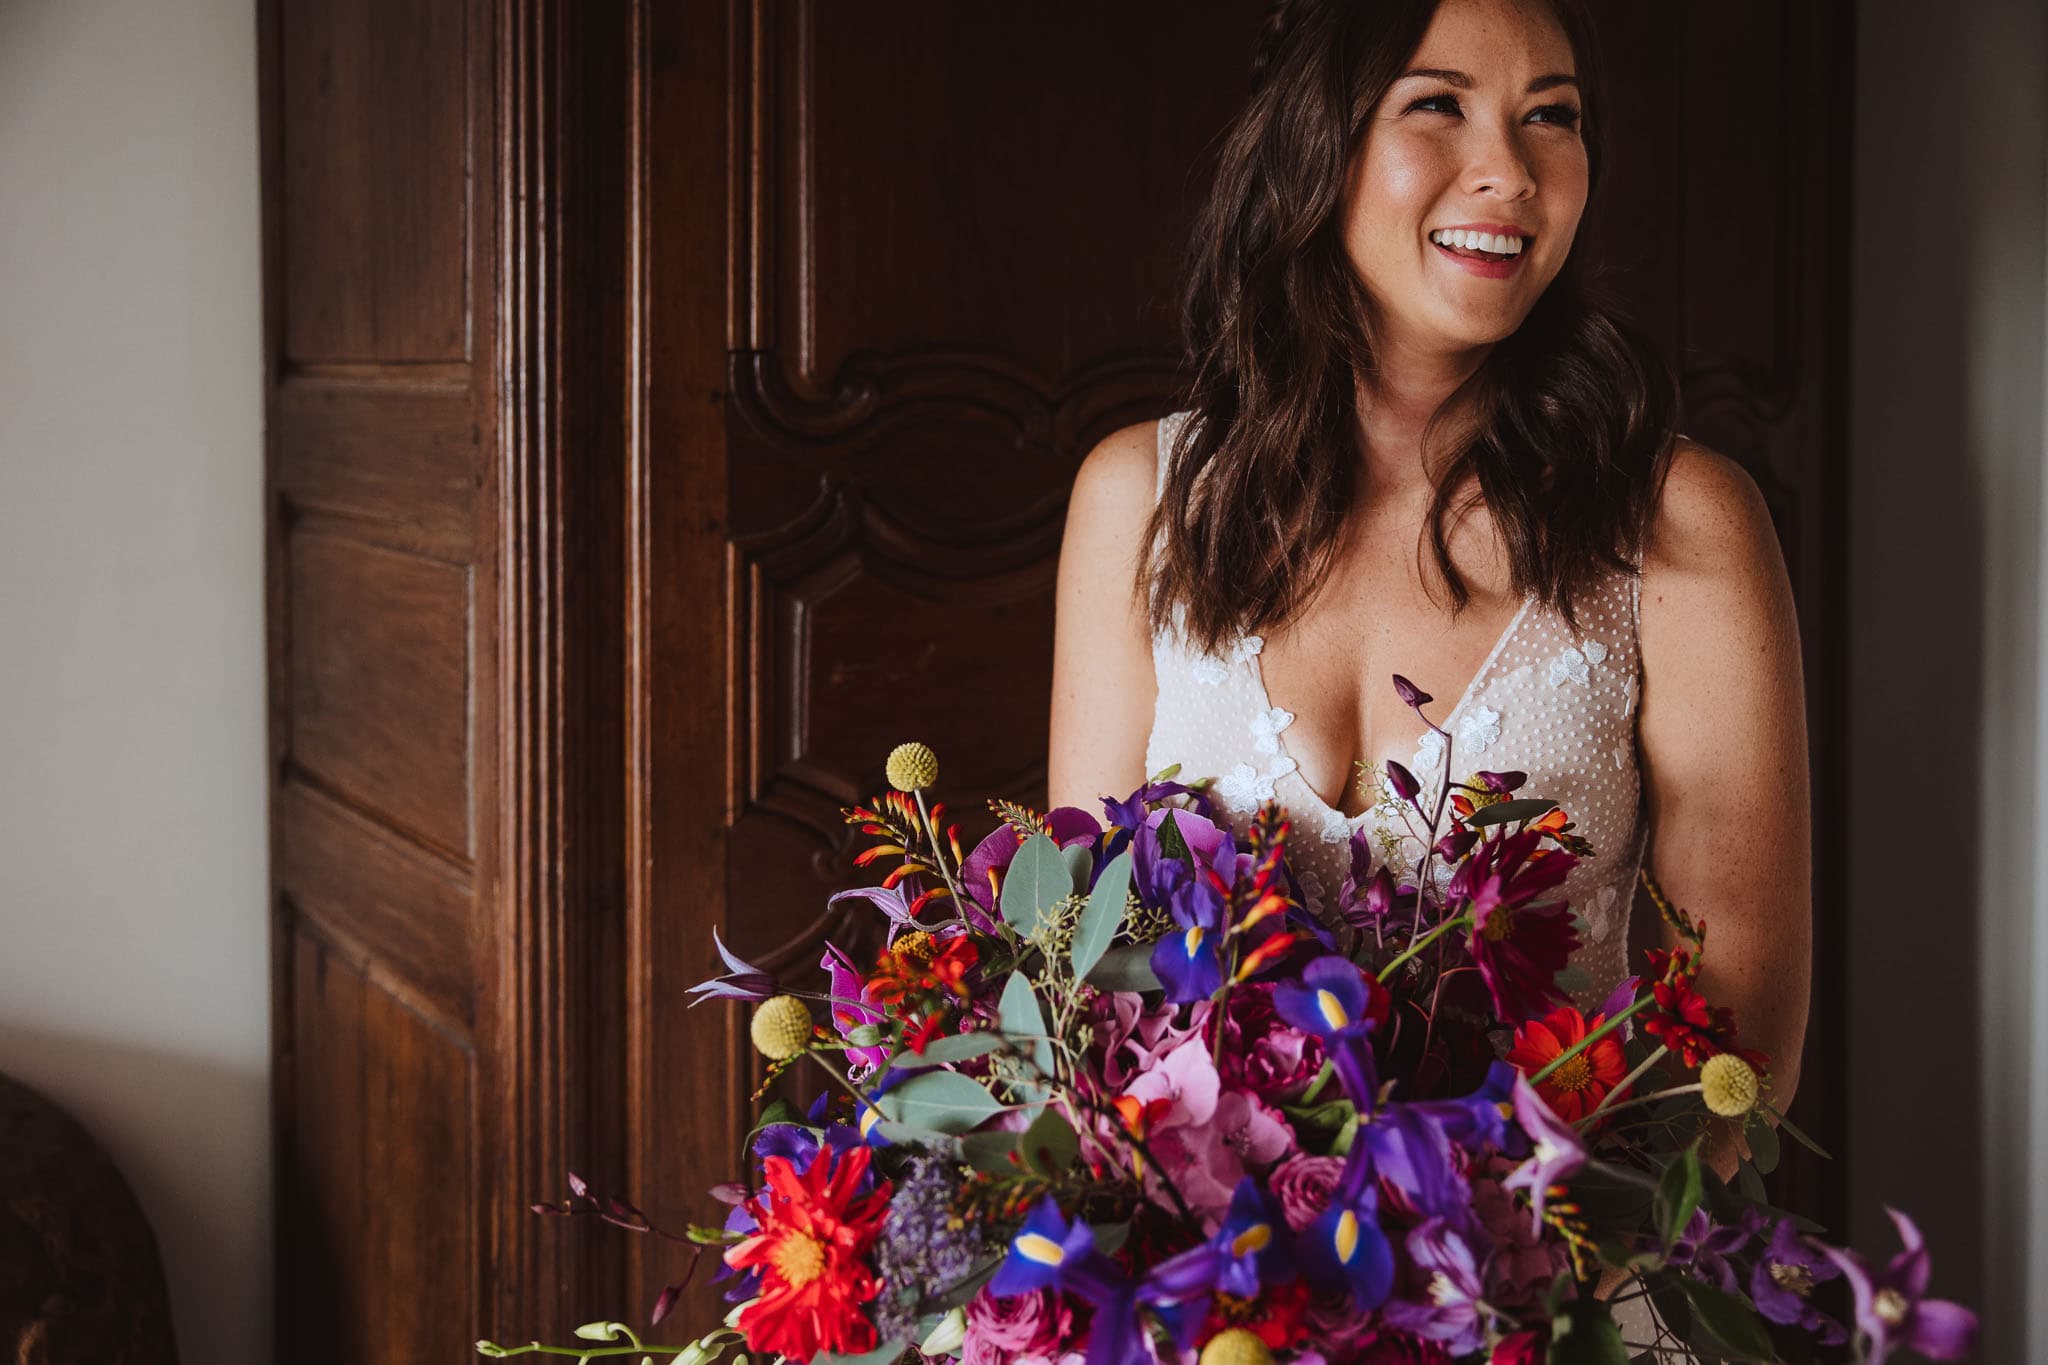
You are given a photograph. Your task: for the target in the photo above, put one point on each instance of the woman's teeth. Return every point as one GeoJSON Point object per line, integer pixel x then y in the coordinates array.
{"type": "Point", "coordinates": [1457, 239]}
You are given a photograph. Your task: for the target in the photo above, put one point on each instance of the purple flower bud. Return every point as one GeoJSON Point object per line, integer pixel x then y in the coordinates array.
{"type": "Point", "coordinates": [1404, 783]}
{"type": "Point", "coordinates": [732, 1193]}
{"type": "Point", "coordinates": [1456, 844]}
{"type": "Point", "coordinates": [1504, 783]}
{"type": "Point", "coordinates": [1409, 693]}
{"type": "Point", "coordinates": [664, 1303]}
{"type": "Point", "coordinates": [577, 1187]}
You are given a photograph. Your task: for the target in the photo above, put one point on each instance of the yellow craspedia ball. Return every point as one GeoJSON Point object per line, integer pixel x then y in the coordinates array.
{"type": "Point", "coordinates": [912, 767]}
{"type": "Point", "coordinates": [781, 1028]}
{"type": "Point", "coordinates": [1236, 1346]}
{"type": "Point", "coordinates": [1729, 1085]}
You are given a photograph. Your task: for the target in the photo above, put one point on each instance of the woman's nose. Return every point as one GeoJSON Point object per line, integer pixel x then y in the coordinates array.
{"type": "Point", "coordinates": [1499, 167]}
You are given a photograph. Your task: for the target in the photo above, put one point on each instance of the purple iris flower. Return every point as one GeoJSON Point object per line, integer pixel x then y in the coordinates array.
{"type": "Point", "coordinates": [1447, 1305]}
{"type": "Point", "coordinates": [1344, 1249]}
{"type": "Point", "coordinates": [1249, 1250]}
{"type": "Point", "coordinates": [1480, 1120]}
{"type": "Point", "coordinates": [1891, 1307]}
{"type": "Point", "coordinates": [1186, 962]}
{"type": "Point", "coordinates": [1784, 1278]}
{"type": "Point", "coordinates": [741, 981]}
{"type": "Point", "coordinates": [1556, 1153]}
{"type": "Point", "coordinates": [1412, 1157]}
{"type": "Point", "coordinates": [1335, 1002]}
{"type": "Point", "coordinates": [1048, 1252]}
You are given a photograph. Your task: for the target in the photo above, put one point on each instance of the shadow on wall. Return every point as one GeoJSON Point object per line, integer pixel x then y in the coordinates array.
{"type": "Point", "coordinates": [173, 1115]}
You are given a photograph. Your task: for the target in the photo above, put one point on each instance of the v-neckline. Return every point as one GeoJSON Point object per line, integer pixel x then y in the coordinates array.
{"type": "Point", "coordinates": [1266, 707]}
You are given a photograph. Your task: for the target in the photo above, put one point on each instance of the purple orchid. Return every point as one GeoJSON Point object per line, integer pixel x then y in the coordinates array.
{"type": "Point", "coordinates": [1556, 1153]}
{"type": "Point", "coordinates": [741, 981]}
{"type": "Point", "coordinates": [1891, 1308]}
{"type": "Point", "coordinates": [1784, 1278]}
{"type": "Point", "coordinates": [1447, 1309]}
{"type": "Point", "coordinates": [850, 1009]}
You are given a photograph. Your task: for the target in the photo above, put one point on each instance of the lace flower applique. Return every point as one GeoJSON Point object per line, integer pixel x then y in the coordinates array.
{"type": "Point", "coordinates": [1266, 728]}
{"type": "Point", "coordinates": [1574, 666]}
{"type": "Point", "coordinates": [1478, 730]}
{"type": "Point", "coordinates": [1243, 786]}
{"type": "Point", "coordinates": [1209, 669]}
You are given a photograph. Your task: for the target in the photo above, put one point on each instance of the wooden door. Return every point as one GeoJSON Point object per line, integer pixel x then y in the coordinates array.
{"type": "Point", "coordinates": [672, 406]}
{"type": "Point", "coordinates": [446, 330]}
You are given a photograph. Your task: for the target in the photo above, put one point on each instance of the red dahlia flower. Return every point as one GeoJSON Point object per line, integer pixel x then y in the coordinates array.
{"type": "Point", "coordinates": [811, 1250]}
{"type": "Point", "coordinates": [1575, 1089]}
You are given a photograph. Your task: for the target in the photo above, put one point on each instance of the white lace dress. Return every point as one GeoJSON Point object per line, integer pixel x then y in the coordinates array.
{"type": "Point", "coordinates": [1557, 706]}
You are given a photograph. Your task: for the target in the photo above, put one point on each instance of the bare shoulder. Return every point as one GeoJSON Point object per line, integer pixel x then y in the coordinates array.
{"type": "Point", "coordinates": [1716, 598]}
{"type": "Point", "coordinates": [1711, 519]}
{"type": "Point", "coordinates": [1121, 470]}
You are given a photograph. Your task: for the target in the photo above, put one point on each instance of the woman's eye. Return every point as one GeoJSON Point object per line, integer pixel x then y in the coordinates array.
{"type": "Point", "coordinates": [1564, 115]}
{"type": "Point", "coordinates": [1425, 103]}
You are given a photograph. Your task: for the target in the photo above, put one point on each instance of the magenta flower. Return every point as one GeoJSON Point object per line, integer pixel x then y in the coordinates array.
{"type": "Point", "coordinates": [741, 980]}
{"type": "Point", "coordinates": [1519, 945]}
{"type": "Point", "coordinates": [1891, 1310]}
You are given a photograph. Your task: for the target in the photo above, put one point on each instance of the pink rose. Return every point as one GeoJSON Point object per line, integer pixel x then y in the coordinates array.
{"type": "Point", "coordinates": [1009, 1331]}
{"type": "Point", "coordinates": [1261, 1052]}
{"type": "Point", "coordinates": [1303, 1185]}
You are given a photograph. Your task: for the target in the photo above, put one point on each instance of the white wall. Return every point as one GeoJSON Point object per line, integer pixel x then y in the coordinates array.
{"type": "Point", "coordinates": [133, 971]}
{"type": "Point", "coordinates": [1946, 649]}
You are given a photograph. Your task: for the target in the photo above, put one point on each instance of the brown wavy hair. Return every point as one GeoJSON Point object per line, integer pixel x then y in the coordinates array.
{"type": "Point", "coordinates": [1571, 418]}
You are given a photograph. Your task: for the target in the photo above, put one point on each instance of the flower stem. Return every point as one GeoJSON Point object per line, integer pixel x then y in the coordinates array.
{"type": "Point", "coordinates": [1675, 1091]}
{"type": "Point", "coordinates": [931, 832]}
{"type": "Point", "coordinates": [1460, 921]}
{"type": "Point", "coordinates": [1595, 1036]}
{"type": "Point", "coordinates": [1608, 1099]}
{"type": "Point", "coordinates": [581, 1353]}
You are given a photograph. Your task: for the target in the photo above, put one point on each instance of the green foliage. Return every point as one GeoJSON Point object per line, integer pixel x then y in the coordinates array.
{"type": "Point", "coordinates": [1583, 1333]}
{"type": "Point", "coordinates": [944, 1101]}
{"type": "Point", "coordinates": [1678, 1195]}
{"type": "Point", "coordinates": [1126, 967]}
{"type": "Point", "coordinates": [1037, 881]}
{"type": "Point", "coordinates": [1103, 916]}
{"type": "Point", "coordinates": [1022, 1019]}
{"type": "Point", "coordinates": [1050, 1145]}
{"type": "Point", "coordinates": [1736, 1329]}
{"type": "Point", "coordinates": [1507, 812]}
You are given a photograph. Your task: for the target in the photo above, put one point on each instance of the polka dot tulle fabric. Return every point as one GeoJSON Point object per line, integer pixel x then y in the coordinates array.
{"type": "Point", "coordinates": [1558, 706]}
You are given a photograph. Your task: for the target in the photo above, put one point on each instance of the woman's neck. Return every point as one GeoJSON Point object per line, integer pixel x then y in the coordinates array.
{"type": "Point", "coordinates": [1395, 405]}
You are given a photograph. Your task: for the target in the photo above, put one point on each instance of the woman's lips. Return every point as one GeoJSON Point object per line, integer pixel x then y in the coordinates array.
{"type": "Point", "coordinates": [1485, 269]}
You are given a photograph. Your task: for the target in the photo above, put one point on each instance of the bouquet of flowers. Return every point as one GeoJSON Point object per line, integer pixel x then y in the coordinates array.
{"type": "Point", "coordinates": [1109, 1093]}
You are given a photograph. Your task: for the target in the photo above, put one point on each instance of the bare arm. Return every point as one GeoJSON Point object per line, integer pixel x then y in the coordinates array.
{"type": "Point", "coordinates": [1723, 734]}
{"type": "Point", "coordinates": [1102, 684]}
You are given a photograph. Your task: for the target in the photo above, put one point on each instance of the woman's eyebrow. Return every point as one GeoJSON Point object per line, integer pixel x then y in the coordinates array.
{"type": "Point", "coordinates": [1464, 82]}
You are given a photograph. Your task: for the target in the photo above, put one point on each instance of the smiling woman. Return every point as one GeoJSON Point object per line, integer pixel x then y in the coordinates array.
{"type": "Point", "coordinates": [1414, 443]}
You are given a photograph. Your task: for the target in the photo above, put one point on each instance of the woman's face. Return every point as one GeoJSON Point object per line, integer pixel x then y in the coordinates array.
{"type": "Point", "coordinates": [1481, 135]}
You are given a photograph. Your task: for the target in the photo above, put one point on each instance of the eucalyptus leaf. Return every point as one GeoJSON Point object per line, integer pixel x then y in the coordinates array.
{"type": "Point", "coordinates": [1507, 812]}
{"type": "Point", "coordinates": [1678, 1195]}
{"type": "Point", "coordinates": [957, 1295]}
{"type": "Point", "coordinates": [1037, 881]}
{"type": "Point", "coordinates": [1103, 915]}
{"type": "Point", "coordinates": [958, 1047]}
{"type": "Point", "coordinates": [990, 1152]}
{"type": "Point", "coordinates": [865, 1035]}
{"type": "Point", "coordinates": [1110, 1237]}
{"type": "Point", "coordinates": [1126, 967]}
{"type": "Point", "coordinates": [1749, 1184]}
{"type": "Point", "coordinates": [1733, 1323]}
{"type": "Point", "coordinates": [1021, 1019]}
{"type": "Point", "coordinates": [910, 1135]}
{"type": "Point", "coordinates": [1050, 1144]}
{"type": "Point", "coordinates": [1080, 861]}
{"type": "Point", "coordinates": [944, 1101]}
